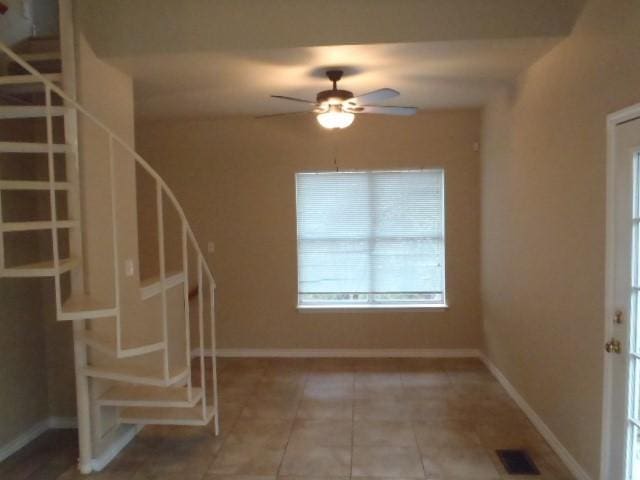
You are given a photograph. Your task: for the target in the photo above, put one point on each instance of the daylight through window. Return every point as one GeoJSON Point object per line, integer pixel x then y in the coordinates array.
{"type": "Point", "coordinates": [371, 239]}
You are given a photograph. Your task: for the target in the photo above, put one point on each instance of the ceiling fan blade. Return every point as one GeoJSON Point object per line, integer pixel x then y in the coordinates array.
{"type": "Point", "coordinates": [386, 110]}
{"type": "Point", "coordinates": [280, 114]}
{"type": "Point", "coordinates": [293, 99]}
{"type": "Point", "coordinates": [373, 97]}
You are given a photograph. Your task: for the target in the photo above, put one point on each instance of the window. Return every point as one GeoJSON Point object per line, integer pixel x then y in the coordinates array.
{"type": "Point", "coordinates": [371, 239]}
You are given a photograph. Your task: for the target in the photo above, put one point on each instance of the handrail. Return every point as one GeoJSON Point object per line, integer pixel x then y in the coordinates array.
{"type": "Point", "coordinates": [150, 170]}
{"type": "Point", "coordinates": [188, 240]}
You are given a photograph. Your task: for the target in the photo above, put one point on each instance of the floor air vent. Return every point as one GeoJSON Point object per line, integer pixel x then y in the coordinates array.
{"type": "Point", "coordinates": [517, 462]}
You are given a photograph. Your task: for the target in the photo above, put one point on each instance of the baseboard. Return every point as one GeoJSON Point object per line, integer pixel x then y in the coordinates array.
{"type": "Point", "coordinates": [34, 432]}
{"type": "Point", "coordinates": [23, 439]}
{"type": "Point", "coordinates": [557, 446]}
{"type": "Point", "coordinates": [97, 464]}
{"type": "Point", "coordinates": [343, 353]}
{"type": "Point", "coordinates": [63, 422]}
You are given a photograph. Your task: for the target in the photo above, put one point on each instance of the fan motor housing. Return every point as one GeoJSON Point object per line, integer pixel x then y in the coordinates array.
{"type": "Point", "coordinates": [334, 97]}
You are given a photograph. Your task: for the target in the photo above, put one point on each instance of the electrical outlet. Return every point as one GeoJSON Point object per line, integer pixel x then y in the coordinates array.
{"type": "Point", "coordinates": [211, 247]}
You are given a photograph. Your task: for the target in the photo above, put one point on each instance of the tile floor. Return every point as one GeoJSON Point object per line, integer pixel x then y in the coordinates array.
{"type": "Point", "coordinates": [291, 419]}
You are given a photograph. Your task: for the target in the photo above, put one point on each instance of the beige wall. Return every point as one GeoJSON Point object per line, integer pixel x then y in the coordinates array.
{"type": "Point", "coordinates": [235, 179]}
{"type": "Point", "coordinates": [543, 184]}
{"type": "Point", "coordinates": [23, 397]}
{"type": "Point", "coordinates": [23, 371]}
{"type": "Point", "coordinates": [26, 318]}
{"type": "Point", "coordinates": [59, 358]}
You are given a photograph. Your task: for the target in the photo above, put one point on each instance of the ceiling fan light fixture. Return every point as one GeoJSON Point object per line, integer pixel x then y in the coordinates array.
{"type": "Point", "coordinates": [335, 108]}
{"type": "Point", "coordinates": [335, 118]}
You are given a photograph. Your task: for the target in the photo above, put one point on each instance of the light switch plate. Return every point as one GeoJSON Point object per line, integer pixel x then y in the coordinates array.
{"type": "Point", "coordinates": [129, 269]}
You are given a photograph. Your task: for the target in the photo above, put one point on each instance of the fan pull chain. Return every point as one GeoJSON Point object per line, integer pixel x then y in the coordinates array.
{"type": "Point", "coordinates": [335, 157]}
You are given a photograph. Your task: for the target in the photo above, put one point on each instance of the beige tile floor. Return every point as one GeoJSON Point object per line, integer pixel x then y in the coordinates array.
{"type": "Point", "coordinates": [366, 419]}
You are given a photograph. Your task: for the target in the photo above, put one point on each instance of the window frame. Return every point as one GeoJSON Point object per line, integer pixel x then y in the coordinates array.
{"type": "Point", "coordinates": [370, 306]}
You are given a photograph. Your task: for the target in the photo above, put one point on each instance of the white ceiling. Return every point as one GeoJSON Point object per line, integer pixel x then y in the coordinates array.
{"type": "Point", "coordinates": [427, 74]}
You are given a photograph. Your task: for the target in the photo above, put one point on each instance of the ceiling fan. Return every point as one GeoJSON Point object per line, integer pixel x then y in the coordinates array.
{"type": "Point", "coordinates": [337, 108]}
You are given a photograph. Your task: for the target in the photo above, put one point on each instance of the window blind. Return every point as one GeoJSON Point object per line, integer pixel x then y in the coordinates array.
{"type": "Point", "coordinates": [373, 237]}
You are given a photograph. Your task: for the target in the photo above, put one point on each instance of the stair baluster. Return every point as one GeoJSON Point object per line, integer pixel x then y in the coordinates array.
{"type": "Point", "coordinates": [140, 397]}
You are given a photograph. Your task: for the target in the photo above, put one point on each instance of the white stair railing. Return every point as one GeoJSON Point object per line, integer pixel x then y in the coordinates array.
{"type": "Point", "coordinates": [205, 280]}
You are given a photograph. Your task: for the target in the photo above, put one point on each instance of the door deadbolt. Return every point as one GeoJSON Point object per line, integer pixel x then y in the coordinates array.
{"type": "Point", "coordinates": [613, 346]}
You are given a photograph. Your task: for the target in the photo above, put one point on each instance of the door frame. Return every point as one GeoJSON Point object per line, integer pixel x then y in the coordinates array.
{"type": "Point", "coordinates": [626, 114]}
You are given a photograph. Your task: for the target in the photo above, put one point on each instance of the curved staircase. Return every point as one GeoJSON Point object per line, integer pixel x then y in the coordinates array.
{"type": "Point", "coordinates": [133, 337]}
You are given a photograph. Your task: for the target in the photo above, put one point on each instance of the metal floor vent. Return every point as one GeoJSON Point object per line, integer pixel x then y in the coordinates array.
{"type": "Point", "coordinates": [517, 462]}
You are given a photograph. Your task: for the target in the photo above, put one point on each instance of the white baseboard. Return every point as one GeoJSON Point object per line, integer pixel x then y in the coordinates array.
{"type": "Point", "coordinates": [343, 353]}
{"type": "Point", "coordinates": [97, 464]}
{"type": "Point", "coordinates": [63, 422]}
{"type": "Point", "coordinates": [23, 439]}
{"type": "Point", "coordinates": [34, 432]}
{"type": "Point", "coordinates": [562, 452]}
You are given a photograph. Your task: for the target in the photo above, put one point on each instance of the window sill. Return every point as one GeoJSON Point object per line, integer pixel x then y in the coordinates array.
{"type": "Point", "coordinates": [370, 308]}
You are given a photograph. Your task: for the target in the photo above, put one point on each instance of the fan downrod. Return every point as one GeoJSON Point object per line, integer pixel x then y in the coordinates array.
{"type": "Point", "coordinates": [334, 96]}
{"type": "Point", "coordinates": [334, 76]}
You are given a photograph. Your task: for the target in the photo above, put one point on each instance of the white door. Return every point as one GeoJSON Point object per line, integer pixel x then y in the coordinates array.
{"type": "Point", "coordinates": [622, 357]}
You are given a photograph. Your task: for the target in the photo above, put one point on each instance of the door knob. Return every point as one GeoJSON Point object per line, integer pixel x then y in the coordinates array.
{"type": "Point", "coordinates": [613, 346]}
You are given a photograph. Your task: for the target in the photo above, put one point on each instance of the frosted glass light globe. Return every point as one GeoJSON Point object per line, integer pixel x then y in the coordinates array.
{"type": "Point", "coordinates": [335, 118]}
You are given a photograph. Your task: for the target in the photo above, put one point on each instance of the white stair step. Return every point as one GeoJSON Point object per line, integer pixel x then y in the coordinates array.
{"type": "Point", "coordinates": [124, 373]}
{"type": "Point", "coordinates": [40, 269]}
{"type": "Point", "coordinates": [97, 341]}
{"type": "Point", "coordinates": [31, 226]}
{"type": "Point", "coordinates": [167, 416]}
{"type": "Point", "coordinates": [40, 56]}
{"type": "Point", "coordinates": [150, 287]}
{"type": "Point", "coordinates": [141, 350]}
{"type": "Point", "coordinates": [26, 147]}
{"type": "Point", "coordinates": [156, 397]}
{"type": "Point", "coordinates": [82, 307]}
{"type": "Point", "coordinates": [13, 112]}
{"type": "Point", "coordinates": [26, 79]}
{"type": "Point", "coordinates": [32, 185]}
{"type": "Point", "coordinates": [109, 347]}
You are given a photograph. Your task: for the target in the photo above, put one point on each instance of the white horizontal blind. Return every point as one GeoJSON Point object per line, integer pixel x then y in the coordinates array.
{"type": "Point", "coordinates": [371, 238]}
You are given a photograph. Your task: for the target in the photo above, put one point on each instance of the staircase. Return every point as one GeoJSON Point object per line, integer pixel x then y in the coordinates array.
{"type": "Point", "coordinates": [133, 338]}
